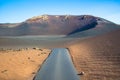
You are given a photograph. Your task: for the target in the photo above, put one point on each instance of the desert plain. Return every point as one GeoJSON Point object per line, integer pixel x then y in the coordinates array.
{"type": "Point", "coordinates": [21, 64]}
{"type": "Point", "coordinates": [98, 57]}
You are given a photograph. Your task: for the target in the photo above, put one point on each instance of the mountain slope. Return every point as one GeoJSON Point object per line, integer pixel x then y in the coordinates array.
{"type": "Point", "coordinates": [101, 28]}
{"type": "Point", "coordinates": [53, 25]}
{"type": "Point", "coordinates": [98, 57]}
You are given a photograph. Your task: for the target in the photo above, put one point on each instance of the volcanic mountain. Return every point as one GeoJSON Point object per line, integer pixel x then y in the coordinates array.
{"type": "Point", "coordinates": [58, 25]}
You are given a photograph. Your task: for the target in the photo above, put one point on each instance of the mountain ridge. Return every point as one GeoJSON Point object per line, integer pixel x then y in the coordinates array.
{"type": "Point", "coordinates": [53, 25]}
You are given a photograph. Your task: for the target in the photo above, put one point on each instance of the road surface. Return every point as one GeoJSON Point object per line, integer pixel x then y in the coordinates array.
{"type": "Point", "coordinates": [58, 66]}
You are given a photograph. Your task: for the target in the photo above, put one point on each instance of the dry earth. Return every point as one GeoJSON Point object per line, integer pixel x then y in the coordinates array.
{"type": "Point", "coordinates": [21, 64]}
{"type": "Point", "coordinates": [98, 57]}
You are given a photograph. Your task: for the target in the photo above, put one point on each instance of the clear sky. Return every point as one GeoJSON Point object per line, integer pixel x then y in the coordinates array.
{"type": "Point", "coordinates": [12, 11]}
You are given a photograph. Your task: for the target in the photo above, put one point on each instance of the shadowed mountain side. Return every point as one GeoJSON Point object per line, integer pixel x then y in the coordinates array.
{"type": "Point", "coordinates": [101, 28]}
{"type": "Point", "coordinates": [86, 27]}
{"type": "Point", "coordinates": [98, 57]}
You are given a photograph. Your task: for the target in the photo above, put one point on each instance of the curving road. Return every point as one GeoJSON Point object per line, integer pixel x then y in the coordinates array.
{"type": "Point", "coordinates": [58, 66]}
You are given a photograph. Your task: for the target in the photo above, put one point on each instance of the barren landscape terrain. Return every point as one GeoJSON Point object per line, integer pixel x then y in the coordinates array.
{"type": "Point", "coordinates": [59, 39]}
{"type": "Point", "coordinates": [98, 57]}
{"type": "Point", "coordinates": [21, 64]}
{"type": "Point", "coordinates": [93, 43]}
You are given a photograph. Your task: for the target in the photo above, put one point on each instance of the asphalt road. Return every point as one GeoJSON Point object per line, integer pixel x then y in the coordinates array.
{"type": "Point", "coordinates": [58, 66]}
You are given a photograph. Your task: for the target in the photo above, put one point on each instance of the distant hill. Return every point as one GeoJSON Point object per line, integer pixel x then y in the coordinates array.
{"type": "Point", "coordinates": [54, 25]}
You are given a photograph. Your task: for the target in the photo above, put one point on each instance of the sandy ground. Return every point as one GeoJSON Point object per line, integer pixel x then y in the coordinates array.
{"type": "Point", "coordinates": [21, 65]}
{"type": "Point", "coordinates": [98, 57]}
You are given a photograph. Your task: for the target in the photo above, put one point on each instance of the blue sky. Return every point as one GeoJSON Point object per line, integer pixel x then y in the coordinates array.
{"type": "Point", "coordinates": [12, 11]}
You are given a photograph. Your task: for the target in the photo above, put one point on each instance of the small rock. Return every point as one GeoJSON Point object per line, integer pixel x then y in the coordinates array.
{"type": "Point", "coordinates": [40, 49]}
{"type": "Point", "coordinates": [28, 57]}
{"type": "Point", "coordinates": [81, 73]}
{"type": "Point", "coordinates": [38, 54]}
{"type": "Point", "coordinates": [4, 71]}
{"type": "Point", "coordinates": [33, 72]}
{"type": "Point", "coordinates": [27, 48]}
{"type": "Point", "coordinates": [35, 48]}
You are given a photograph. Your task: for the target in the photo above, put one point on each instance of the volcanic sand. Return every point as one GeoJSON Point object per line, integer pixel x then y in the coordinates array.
{"type": "Point", "coordinates": [98, 57]}
{"type": "Point", "coordinates": [21, 64]}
